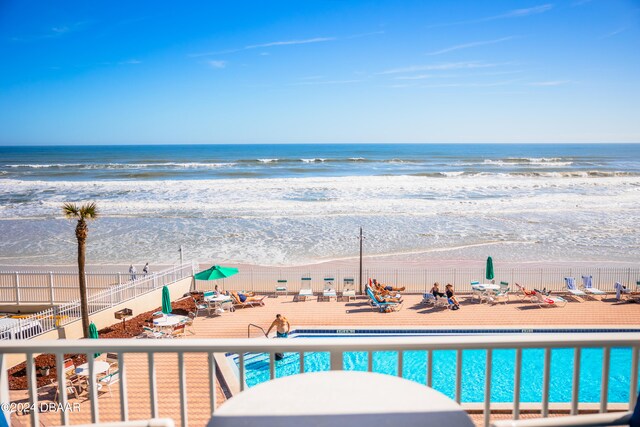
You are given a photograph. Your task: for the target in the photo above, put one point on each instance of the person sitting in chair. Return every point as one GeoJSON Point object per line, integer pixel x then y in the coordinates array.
{"type": "Point", "coordinates": [249, 296]}
{"type": "Point", "coordinates": [451, 297]}
{"type": "Point", "coordinates": [387, 288]}
{"type": "Point", "coordinates": [435, 291]}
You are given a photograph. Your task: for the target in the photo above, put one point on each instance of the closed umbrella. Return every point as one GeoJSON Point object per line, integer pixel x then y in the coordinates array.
{"type": "Point", "coordinates": [93, 333]}
{"type": "Point", "coordinates": [489, 269]}
{"type": "Point", "coordinates": [166, 300]}
{"type": "Point", "coordinates": [216, 272]}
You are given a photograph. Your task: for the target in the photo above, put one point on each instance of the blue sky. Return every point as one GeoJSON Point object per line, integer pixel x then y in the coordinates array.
{"type": "Point", "coordinates": [77, 72]}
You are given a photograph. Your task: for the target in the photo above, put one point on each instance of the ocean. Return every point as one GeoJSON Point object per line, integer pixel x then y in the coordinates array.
{"type": "Point", "coordinates": [296, 204]}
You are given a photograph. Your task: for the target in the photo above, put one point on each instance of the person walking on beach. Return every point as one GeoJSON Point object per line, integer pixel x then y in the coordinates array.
{"type": "Point", "coordinates": [132, 272]}
{"type": "Point", "coordinates": [279, 324]}
{"type": "Point", "coordinates": [145, 270]}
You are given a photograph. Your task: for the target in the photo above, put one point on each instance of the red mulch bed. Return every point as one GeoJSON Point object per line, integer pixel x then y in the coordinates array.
{"type": "Point", "coordinates": [132, 328]}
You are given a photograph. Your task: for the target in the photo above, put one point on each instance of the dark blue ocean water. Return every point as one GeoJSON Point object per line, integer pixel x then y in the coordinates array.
{"type": "Point", "coordinates": [297, 160]}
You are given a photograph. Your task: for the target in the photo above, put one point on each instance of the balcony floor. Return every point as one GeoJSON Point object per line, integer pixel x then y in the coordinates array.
{"type": "Point", "coordinates": [313, 313]}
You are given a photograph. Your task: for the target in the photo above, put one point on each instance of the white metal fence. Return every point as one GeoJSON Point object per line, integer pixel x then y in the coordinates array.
{"type": "Point", "coordinates": [54, 317]}
{"type": "Point", "coordinates": [39, 287]}
{"type": "Point", "coordinates": [336, 347]}
{"type": "Point", "coordinates": [421, 280]}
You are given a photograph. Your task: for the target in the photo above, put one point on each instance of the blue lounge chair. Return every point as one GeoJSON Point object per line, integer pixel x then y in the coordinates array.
{"type": "Point", "coordinates": [383, 307]}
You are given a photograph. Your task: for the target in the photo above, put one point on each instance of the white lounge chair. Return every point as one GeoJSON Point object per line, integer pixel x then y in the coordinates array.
{"type": "Point", "coordinates": [282, 288]}
{"type": "Point", "coordinates": [587, 285]}
{"type": "Point", "coordinates": [329, 290]}
{"type": "Point", "coordinates": [502, 293]}
{"type": "Point", "coordinates": [305, 289]}
{"type": "Point", "coordinates": [572, 289]}
{"type": "Point", "coordinates": [622, 292]}
{"type": "Point", "coordinates": [348, 288]}
{"type": "Point", "coordinates": [548, 301]}
{"type": "Point", "coordinates": [430, 299]}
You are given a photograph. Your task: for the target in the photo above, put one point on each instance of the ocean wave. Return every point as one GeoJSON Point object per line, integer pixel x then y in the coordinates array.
{"type": "Point", "coordinates": [531, 161]}
{"type": "Point", "coordinates": [314, 160]}
{"type": "Point", "coordinates": [177, 165]}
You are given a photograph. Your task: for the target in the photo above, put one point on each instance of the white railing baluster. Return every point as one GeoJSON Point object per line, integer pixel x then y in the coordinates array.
{"type": "Point", "coordinates": [370, 361]}
{"type": "Point", "coordinates": [633, 379]}
{"type": "Point", "coordinates": [93, 390]}
{"type": "Point", "coordinates": [575, 388]}
{"type": "Point", "coordinates": [241, 369]}
{"type": "Point", "coordinates": [604, 389]}
{"type": "Point", "coordinates": [516, 384]}
{"type": "Point", "coordinates": [33, 390]}
{"type": "Point", "coordinates": [487, 388]}
{"type": "Point", "coordinates": [458, 375]}
{"type": "Point", "coordinates": [62, 388]}
{"type": "Point", "coordinates": [400, 362]}
{"type": "Point", "coordinates": [545, 382]}
{"type": "Point", "coordinates": [272, 365]}
{"type": "Point", "coordinates": [183, 390]}
{"type": "Point", "coordinates": [213, 392]}
{"type": "Point", "coordinates": [153, 392]}
{"type": "Point", "coordinates": [122, 372]}
{"type": "Point", "coordinates": [301, 354]}
{"type": "Point", "coordinates": [336, 360]}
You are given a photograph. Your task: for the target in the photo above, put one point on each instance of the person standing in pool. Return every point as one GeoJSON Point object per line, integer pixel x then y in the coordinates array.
{"type": "Point", "coordinates": [280, 323]}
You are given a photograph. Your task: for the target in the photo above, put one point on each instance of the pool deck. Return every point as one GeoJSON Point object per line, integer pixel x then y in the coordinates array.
{"type": "Point", "coordinates": [354, 314]}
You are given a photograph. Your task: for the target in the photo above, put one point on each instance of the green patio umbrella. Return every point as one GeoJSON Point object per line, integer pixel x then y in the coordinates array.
{"type": "Point", "coordinates": [216, 272]}
{"type": "Point", "coordinates": [489, 269]}
{"type": "Point", "coordinates": [166, 301]}
{"type": "Point", "coordinates": [93, 333]}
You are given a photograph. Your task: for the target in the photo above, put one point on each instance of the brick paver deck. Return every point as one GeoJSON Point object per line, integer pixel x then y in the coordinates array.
{"type": "Point", "coordinates": [312, 313]}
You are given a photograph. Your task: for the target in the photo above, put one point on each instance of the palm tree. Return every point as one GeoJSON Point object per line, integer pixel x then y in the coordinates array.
{"type": "Point", "coordinates": [82, 214]}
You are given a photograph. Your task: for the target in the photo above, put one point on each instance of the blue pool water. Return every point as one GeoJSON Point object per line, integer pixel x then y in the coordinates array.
{"type": "Point", "coordinates": [473, 372]}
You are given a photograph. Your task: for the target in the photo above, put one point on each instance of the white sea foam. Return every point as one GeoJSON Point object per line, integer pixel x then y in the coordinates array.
{"type": "Point", "coordinates": [268, 160]}
{"type": "Point", "coordinates": [312, 160]}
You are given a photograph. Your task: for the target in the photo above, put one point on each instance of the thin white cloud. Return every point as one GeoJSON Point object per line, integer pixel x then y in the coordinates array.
{"type": "Point", "coordinates": [217, 64]}
{"type": "Point", "coordinates": [324, 82]}
{"type": "Point", "coordinates": [614, 33]}
{"type": "Point", "coordinates": [516, 13]}
{"type": "Point", "coordinates": [550, 83]}
{"type": "Point", "coordinates": [470, 45]}
{"type": "Point", "coordinates": [55, 32]}
{"type": "Point", "coordinates": [130, 62]}
{"type": "Point", "coordinates": [284, 43]}
{"type": "Point", "coordinates": [442, 66]}
{"type": "Point", "coordinates": [490, 84]}
{"type": "Point", "coordinates": [291, 42]}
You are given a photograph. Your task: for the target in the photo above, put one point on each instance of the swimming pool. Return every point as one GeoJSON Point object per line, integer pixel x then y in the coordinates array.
{"type": "Point", "coordinates": [473, 367]}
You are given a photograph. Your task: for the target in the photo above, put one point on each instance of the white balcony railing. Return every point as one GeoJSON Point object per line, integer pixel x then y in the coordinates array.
{"type": "Point", "coordinates": [336, 347]}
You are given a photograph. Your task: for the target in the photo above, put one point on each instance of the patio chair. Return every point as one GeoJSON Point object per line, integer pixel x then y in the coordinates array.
{"type": "Point", "coordinates": [281, 288]}
{"type": "Point", "coordinates": [305, 289]}
{"type": "Point", "coordinates": [382, 307]}
{"type": "Point", "coordinates": [430, 299]}
{"type": "Point", "coordinates": [188, 323]}
{"type": "Point", "coordinates": [148, 332]}
{"type": "Point", "coordinates": [502, 294]}
{"type": "Point", "coordinates": [72, 381]}
{"type": "Point", "coordinates": [108, 380]}
{"type": "Point", "coordinates": [177, 331]}
{"type": "Point", "coordinates": [476, 292]}
{"type": "Point", "coordinates": [587, 285]}
{"type": "Point", "coordinates": [112, 360]}
{"type": "Point", "coordinates": [329, 291]}
{"type": "Point", "coordinates": [572, 289]}
{"type": "Point", "coordinates": [201, 305]}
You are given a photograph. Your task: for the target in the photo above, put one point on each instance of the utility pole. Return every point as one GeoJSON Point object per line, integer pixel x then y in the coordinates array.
{"type": "Point", "coordinates": [360, 277]}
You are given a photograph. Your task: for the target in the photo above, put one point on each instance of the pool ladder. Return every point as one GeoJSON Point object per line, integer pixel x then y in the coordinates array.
{"type": "Point", "coordinates": [255, 326]}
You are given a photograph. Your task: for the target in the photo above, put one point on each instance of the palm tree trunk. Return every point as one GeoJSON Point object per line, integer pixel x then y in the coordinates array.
{"type": "Point", "coordinates": [84, 306]}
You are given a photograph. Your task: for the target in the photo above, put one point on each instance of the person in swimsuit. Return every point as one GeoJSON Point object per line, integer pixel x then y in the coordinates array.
{"type": "Point", "coordinates": [245, 297]}
{"type": "Point", "coordinates": [451, 297]}
{"type": "Point", "coordinates": [435, 291]}
{"type": "Point", "coordinates": [280, 323]}
{"type": "Point", "coordinates": [382, 288]}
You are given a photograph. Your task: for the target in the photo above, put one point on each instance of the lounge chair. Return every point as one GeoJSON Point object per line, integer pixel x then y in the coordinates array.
{"type": "Point", "coordinates": [548, 301]}
{"type": "Point", "coordinates": [525, 294]}
{"type": "Point", "coordinates": [305, 289]}
{"type": "Point", "coordinates": [430, 299]}
{"type": "Point", "coordinates": [247, 303]}
{"type": "Point", "coordinates": [622, 292]}
{"type": "Point", "coordinates": [572, 289]}
{"type": "Point", "coordinates": [281, 288]}
{"type": "Point", "coordinates": [382, 307]}
{"type": "Point", "coordinates": [587, 285]}
{"type": "Point", "coordinates": [348, 288]}
{"type": "Point", "coordinates": [329, 290]}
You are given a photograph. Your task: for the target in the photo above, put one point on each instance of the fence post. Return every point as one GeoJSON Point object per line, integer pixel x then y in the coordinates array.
{"type": "Point", "coordinates": [599, 271]}
{"type": "Point", "coordinates": [541, 275]}
{"type": "Point", "coordinates": [51, 293]}
{"type": "Point", "coordinates": [396, 277]}
{"type": "Point", "coordinates": [17, 288]}
{"type": "Point", "coordinates": [251, 273]}
{"type": "Point", "coordinates": [119, 278]}
{"type": "Point", "coordinates": [629, 277]}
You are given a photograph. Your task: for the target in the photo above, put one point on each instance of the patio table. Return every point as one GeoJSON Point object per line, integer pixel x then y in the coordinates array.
{"type": "Point", "coordinates": [169, 320]}
{"type": "Point", "coordinates": [217, 302]}
{"type": "Point", "coordinates": [337, 398]}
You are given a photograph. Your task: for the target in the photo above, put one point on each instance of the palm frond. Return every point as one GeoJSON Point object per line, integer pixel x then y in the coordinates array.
{"type": "Point", "coordinates": [70, 210]}
{"type": "Point", "coordinates": [89, 211]}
